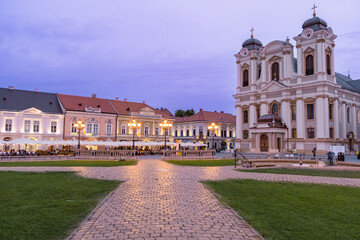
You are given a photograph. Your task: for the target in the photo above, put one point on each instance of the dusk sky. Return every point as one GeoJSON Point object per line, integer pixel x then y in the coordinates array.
{"type": "Point", "coordinates": [174, 54]}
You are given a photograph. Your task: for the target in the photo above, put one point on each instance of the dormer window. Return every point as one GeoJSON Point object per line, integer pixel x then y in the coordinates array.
{"type": "Point", "coordinates": [275, 70]}
{"type": "Point", "coordinates": [309, 65]}
{"type": "Point", "coordinates": [245, 78]}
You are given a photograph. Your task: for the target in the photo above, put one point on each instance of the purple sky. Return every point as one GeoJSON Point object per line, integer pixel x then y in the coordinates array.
{"type": "Point", "coordinates": [175, 54]}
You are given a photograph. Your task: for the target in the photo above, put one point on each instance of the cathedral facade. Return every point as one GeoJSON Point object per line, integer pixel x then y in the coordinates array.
{"type": "Point", "coordinates": [285, 103]}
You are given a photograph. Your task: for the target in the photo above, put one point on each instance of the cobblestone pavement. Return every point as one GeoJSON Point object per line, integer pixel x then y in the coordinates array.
{"type": "Point", "coordinates": [163, 201]}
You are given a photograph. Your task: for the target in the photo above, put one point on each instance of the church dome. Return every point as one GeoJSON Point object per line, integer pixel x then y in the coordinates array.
{"type": "Point", "coordinates": [252, 44]}
{"type": "Point", "coordinates": [315, 23]}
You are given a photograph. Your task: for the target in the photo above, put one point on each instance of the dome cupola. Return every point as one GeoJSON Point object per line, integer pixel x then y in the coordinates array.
{"type": "Point", "coordinates": [252, 43]}
{"type": "Point", "coordinates": [315, 23]}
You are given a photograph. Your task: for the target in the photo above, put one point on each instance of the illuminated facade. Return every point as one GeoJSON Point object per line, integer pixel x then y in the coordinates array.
{"type": "Point", "coordinates": [285, 103]}
{"type": "Point", "coordinates": [31, 115]}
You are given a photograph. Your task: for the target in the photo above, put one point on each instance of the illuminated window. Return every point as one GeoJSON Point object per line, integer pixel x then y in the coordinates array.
{"type": "Point", "coordinates": [36, 126]}
{"type": "Point", "coordinates": [27, 125]}
{"type": "Point", "coordinates": [8, 125]}
{"type": "Point", "coordinates": [53, 126]}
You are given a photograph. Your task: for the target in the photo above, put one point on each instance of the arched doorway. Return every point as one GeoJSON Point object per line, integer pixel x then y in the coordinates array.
{"type": "Point", "coordinates": [264, 143]}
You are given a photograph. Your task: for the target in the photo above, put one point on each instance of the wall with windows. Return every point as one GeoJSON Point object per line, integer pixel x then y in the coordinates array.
{"type": "Point", "coordinates": [99, 126]}
{"type": "Point", "coordinates": [31, 123]}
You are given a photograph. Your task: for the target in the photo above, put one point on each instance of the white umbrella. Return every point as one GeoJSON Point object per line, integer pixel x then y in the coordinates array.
{"type": "Point", "coordinates": [199, 144]}
{"type": "Point", "coordinates": [22, 141]}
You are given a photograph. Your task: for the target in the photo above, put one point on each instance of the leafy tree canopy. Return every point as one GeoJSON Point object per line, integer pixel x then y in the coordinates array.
{"type": "Point", "coordinates": [184, 113]}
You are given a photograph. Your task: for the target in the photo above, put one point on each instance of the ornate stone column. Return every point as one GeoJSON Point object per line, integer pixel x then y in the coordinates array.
{"type": "Point", "coordinates": [239, 118]}
{"type": "Point", "coordinates": [353, 122]}
{"type": "Point", "coordinates": [343, 120]}
{"type": "Point", "coordinates": [336, 118]}
{"type": "Point", "coordinates": [300, 118]}
{"type": "Point", "coordinates": [319, 118]}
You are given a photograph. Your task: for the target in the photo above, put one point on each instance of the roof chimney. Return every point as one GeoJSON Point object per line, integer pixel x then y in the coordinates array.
{"type": "Point", "coordinates": [200, 109]}
{"type": "Point", "coordinates": [222, 111]}
{"type": "Point", "coordinates": [125, 99]}
{"type": "Point", "coordinates": [11, 88]}
{"type": "Point", "coordinates": [36, 89]}
{"type": "Point", "coordinates": [144, 102]}
{"type": "Point", "coordinates": [215, 111]}
{"type": "Point", "coordinates": [93, 95]}
{"type": "Point", "coordinates": [117, 98]}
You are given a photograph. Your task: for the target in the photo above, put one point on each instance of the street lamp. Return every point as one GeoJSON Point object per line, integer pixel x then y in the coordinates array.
{"type": "Point", "coordinates": [133, 125]}
{"type": "Point", "coordinates": [79, 125]}
{"type": "Point", "coordinates": [212, 127]}
{"type": "Point", "coordinates": [165, 125]}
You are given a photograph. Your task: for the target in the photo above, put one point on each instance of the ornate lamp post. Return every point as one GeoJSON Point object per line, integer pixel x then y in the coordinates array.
{"type": "Point", "coordinates": [133, 125]}
{"type": "Point", "coordinates": [165, 125]}
{"type": "Point", "coordinates": [79, 125]}
{"type": "Point", "coordinates": [212, 127]}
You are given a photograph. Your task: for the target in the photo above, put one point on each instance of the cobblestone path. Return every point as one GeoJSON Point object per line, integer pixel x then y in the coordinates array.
{"type": "Point", "coordinates": [163, 201]}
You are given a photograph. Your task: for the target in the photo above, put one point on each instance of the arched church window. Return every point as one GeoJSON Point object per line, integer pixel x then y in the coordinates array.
{"type": "Point", "coordinates": [275, 71]}
{"type": "Point", "coordinates": [259, 72]}
{"type": "Point", "coordinates": [245, 78]}
{"type": "Point", "coordinates": [348, 115]}
{"type": "Point", "coordinates": [309, 64]}
{"type": "Point", "coordinates": [328, 68]}
{"type": "Point", "coordinates": [275, 109]}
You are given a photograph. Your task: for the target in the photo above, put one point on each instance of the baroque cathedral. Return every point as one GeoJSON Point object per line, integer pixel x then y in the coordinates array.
{"type": "Point", "coordinates": [285, 103]}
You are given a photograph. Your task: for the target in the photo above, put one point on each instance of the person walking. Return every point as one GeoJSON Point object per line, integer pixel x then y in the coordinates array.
{"type": "Point", "coordinates": [314, 152]}
{"type": "Point", "coordinates": [331, 158]}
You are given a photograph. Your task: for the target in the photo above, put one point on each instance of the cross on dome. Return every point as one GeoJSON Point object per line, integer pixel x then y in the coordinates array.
{"type": "Point", "coordinates": [252, 31]}
{"type": "Point", "coordinates": [314, 7]}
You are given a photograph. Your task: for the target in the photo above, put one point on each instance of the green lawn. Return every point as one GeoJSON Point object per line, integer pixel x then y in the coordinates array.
{"type": "Point", "coordinates": [203, 163]}
{"type": "Point", "coordinates": [308, 172]}
{"type": "Point", "coordinates": [68, 163]}
{"type": "Point", "coordinates": [46, 205]}
{"type": "Point", "coordinates": [294, 211]}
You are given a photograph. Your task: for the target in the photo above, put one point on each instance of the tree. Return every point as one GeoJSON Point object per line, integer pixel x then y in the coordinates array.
{"type": "Point", "coordinates": [189, 112]}
{"type": "Point", "coordinates": [179, 113]}
{"type": "Point", "coordinates": [184, 113]}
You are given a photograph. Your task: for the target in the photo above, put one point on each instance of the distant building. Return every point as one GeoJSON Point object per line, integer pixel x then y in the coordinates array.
{"type": "Point", "coordinates": [285, 103]}
{"type": "Point", "coordinates": [31, 115]}
{"type": "Point", "coordinates": [195, 129]}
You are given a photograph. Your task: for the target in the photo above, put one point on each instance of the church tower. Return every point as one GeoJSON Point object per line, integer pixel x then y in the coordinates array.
{"type": "Point", "coordinates": [248, 71]}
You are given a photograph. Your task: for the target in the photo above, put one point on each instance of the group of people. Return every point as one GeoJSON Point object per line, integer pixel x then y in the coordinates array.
{"type": "Point", "coordinates": [331, 155]}
{"type": "Point", "coordinates": [12, 152]}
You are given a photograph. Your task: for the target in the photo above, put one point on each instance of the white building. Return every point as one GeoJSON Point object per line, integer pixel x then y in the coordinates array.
{"type": "Point", "coordinates": [195, 129]}
{"type": "Point", "coordinates": [285, 103]}
{"type": "Point", "coordinates": [31, 115]}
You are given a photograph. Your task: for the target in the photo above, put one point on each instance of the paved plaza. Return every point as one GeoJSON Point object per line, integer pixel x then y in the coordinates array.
{"type": "Point", "coordinates": [159, 200]}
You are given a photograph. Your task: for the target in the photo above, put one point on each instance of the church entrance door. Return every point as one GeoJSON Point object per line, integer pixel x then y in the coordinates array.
{"type": "Point", "coordinates": [264, 143]}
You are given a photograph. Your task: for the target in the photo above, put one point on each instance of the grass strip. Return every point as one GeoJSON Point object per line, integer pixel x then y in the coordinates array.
{"type": "Point", "coordinates": [292, 210]}
{"type": "Point", "coordinates": [308, 172]}
{"type": "Point", "coordinates": [68, 163]}
{"type": "Point", "coordinates": [47, 205]}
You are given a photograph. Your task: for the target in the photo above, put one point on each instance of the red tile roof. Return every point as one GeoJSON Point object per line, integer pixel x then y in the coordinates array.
{"type": "Point", "coordinates": [208, 117]}
{"type": "Point", "coordinates": [125, 108]}
{"type": "Point", "coordinates": [79, 103]}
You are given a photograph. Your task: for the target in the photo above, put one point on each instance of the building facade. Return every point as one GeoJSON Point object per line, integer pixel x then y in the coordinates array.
{"type": "Point", "coordinates": [30, 115]}
{"type": "Point", "coordinates": [195, 129]}
{"type": "Point", "coordinates": [148, 117]}
{"type": "Point", "coordinates": [285, 103]}
{"type": "Point", "coordinates": [98, 115]}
